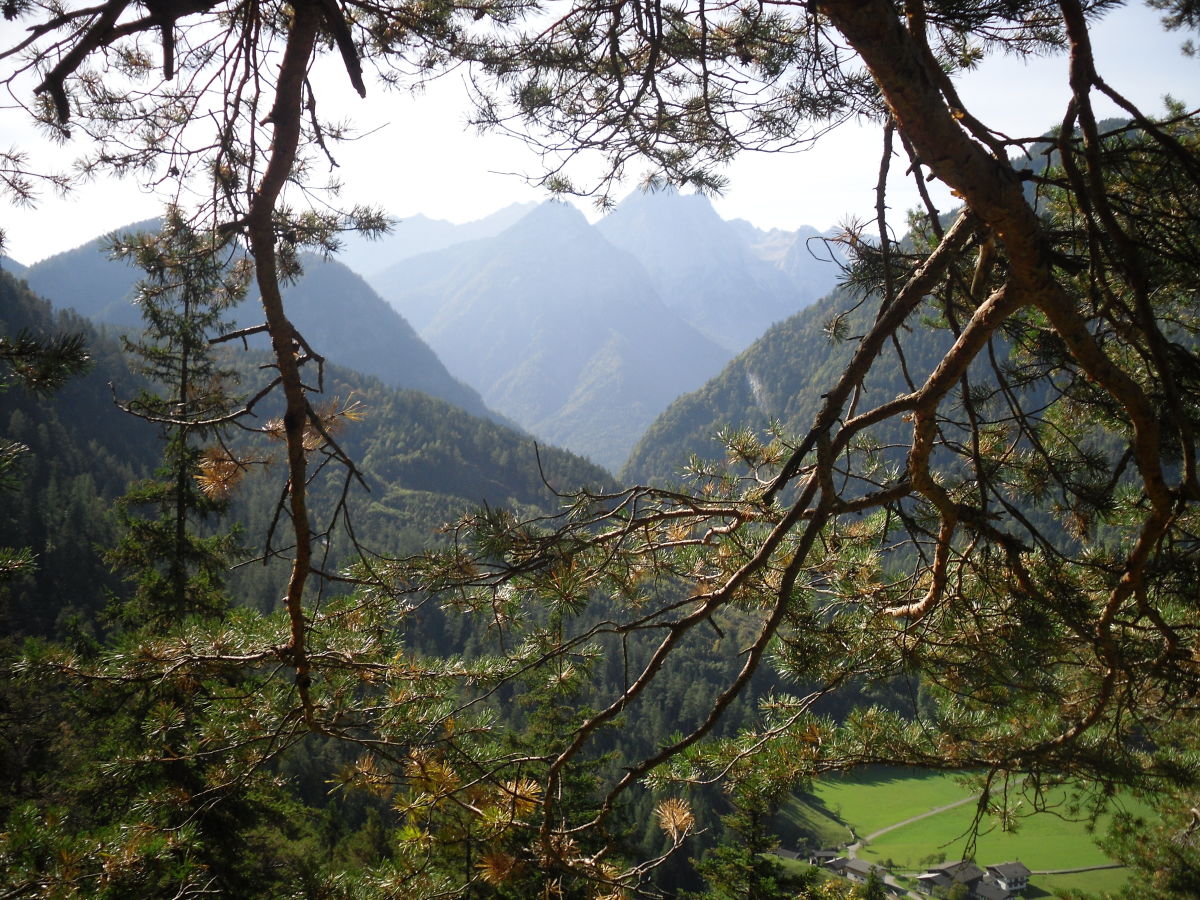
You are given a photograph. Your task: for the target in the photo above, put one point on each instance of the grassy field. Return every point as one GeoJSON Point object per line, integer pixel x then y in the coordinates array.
{"type": "Point", "coordinates": [1097, 883]}
{"type": "Point", "coordinates": [1042, 841]}
{"type": "Point", "coordinates": [879, 798]}
{"type": "Point", "coordinates": [839, 803]}
{"type": "Point", "coordinates": [811, 817]}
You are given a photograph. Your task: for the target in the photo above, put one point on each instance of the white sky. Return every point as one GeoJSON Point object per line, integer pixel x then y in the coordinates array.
{"type": "Point", "coordinates": [425, 159]}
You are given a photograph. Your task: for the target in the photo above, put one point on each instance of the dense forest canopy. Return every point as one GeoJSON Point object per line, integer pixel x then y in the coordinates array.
{"type": "Point", "coordinates": [1011, 538]}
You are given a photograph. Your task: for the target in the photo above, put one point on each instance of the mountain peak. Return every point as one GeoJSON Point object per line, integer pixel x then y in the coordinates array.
{"type": "Point", "coordinates": [552, 213]}
{"type": "Point", "coordinates": [665, 202]}
{"type": "Point", "coordinates": [553, 221]}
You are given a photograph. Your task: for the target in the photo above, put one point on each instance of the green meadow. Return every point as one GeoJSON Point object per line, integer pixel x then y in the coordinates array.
{"type": "Point", "coordinates": [843, 809]}
{"type": "Point", "coordinates": [881, 797]}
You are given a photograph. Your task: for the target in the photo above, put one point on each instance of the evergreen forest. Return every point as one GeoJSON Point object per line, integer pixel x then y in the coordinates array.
{"type": "Point", "coordinates": [294, 604]}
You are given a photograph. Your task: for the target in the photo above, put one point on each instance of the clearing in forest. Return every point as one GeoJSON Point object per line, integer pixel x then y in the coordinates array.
{"type": "Point", "coordinates": [879, 798]}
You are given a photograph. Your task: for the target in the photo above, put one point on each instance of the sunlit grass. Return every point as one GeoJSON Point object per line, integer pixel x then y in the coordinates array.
{"type": "Point", "coordinates": [878, 798]}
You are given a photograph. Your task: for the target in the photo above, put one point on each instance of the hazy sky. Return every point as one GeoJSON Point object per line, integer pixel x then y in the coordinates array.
{"type": "Point", "coordinates": [423, 157]}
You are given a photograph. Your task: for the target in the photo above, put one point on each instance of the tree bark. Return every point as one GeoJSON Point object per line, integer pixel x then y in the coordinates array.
{"type": "Point", "coordinates": [285, 118]}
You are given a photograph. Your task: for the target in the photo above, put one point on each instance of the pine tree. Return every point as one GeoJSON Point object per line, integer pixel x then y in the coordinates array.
{"type": "Point", "coordinates": [1025, 548]}
{"type": "Point", "coordinates": [138, 808]}
{"type": "Point", "coordinates": [874, 888]}
{"type": "Point", "coordinates": [191, 283]}
{"type": "Point", "coordinates": [743, 866]}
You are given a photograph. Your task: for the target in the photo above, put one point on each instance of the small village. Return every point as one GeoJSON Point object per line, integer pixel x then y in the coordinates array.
{"type": "Point", "coordinates": [962, 880]}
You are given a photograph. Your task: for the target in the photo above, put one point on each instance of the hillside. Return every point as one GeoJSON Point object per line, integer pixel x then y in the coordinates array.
{"type": "Point", "coordinates": [780, 378]}
{"type": "Point", "coordinates": [83, 451]}
{"type": "Point", "coordinates": [86, 280]}
{"type": "Point", "coordinates": [342, 316]}
{"type": "Point", "coordinates": [355, 328]}
{"type": "Point", "coordinates": [12, 267]}
{"type": "Point", "coordinates": [424, 462]}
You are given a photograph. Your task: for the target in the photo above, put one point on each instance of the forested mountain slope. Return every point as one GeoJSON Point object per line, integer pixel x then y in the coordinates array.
{"type": "Point", "coordinates": [83, 453]}
{"type": "Point", "coordinates": [86, 280]}
{"type": "Point", "coordinates": [423, 460]}
{"type": "Point", "coordinates": [353, 327]}
{"type": "Point", "coordinates": [343, 318]}
{"type": "Point", "coordinates": [780, 379]}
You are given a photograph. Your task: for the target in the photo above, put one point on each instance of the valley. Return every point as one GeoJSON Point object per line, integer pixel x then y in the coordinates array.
{"type": "Point", "coordinates": [907, 821]}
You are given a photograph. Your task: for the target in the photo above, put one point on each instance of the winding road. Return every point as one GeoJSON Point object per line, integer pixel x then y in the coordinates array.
{"type": "Point", "coordinates": [925, 815]}
{"type": "Point", "coordinates": [894, 886]}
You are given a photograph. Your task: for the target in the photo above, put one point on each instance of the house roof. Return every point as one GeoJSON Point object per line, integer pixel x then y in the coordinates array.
{"type": "Point", "coordinates": [936, 879]}
{"type": "Point", "coordinates": [987, 889]}
{"type": "Point", "coordinates": [862, 867]}
{"type": "Point", "coordinates": [964, 871]}
{"type": "Point", "coordinates": [1010, 871]}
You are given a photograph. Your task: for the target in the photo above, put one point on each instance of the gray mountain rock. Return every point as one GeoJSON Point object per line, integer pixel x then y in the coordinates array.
{"type": "Point", "coordinates": [810, 259]}
{"type": "Point", "coordinates": [558, 329]}
{"type": "Point", "coordinates": [728, 280]}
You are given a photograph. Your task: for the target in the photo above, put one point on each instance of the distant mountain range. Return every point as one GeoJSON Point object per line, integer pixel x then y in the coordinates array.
{"type": "Point", "coordinates": [333, 307]}
{"type": "Point", "coordinates": [728, 280]}
{"type": "Point", "coordinates": [419, 234]}
{"type": "Point", "coordinates": [581, 334]}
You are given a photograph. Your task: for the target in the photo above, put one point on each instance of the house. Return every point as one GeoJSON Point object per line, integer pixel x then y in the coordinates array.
{"type": "Point", "coordinates": [986, 889]}
{"type": "Point", "coordinates": [837, 865]}
{"type": "Point", "coordinates": [947, 875]}
{"type": "Point", "coordinates": [999, 882]}
{"type": "Point", "coordinates": [1012, 876]}
{"type": "Point", "coordinates": [858, 870]}
{"type": "Point", "coordinates": [822, 857]}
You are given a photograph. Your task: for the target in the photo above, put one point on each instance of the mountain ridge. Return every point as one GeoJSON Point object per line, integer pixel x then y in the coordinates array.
{"type": "Point", "coordinates": [558, 329]}
{"type": "Point", "coordinates": [359, 331]}
{"type": "Point", "coordinates": [425, 462]}
{"type": "Point", "coordinates": [563, 326]}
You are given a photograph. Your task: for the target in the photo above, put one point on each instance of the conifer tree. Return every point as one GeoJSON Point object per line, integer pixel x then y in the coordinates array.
{"type": "Point", "coordinates": [874, 888]}
{"type": "Point", "coordinates": [192, 282]}
{"type": "Point", "coordinates": [133, 787]}
{"type": "Point", "coordinates": [742, 865]}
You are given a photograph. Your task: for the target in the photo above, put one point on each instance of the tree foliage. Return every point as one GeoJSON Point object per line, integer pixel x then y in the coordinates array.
{"type": "Point", "coordinates": [40, 364]}
{"type": "Point", "coordinates": [189, 286]}
{"type": "Point", "coordinates": [1013, 537]}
